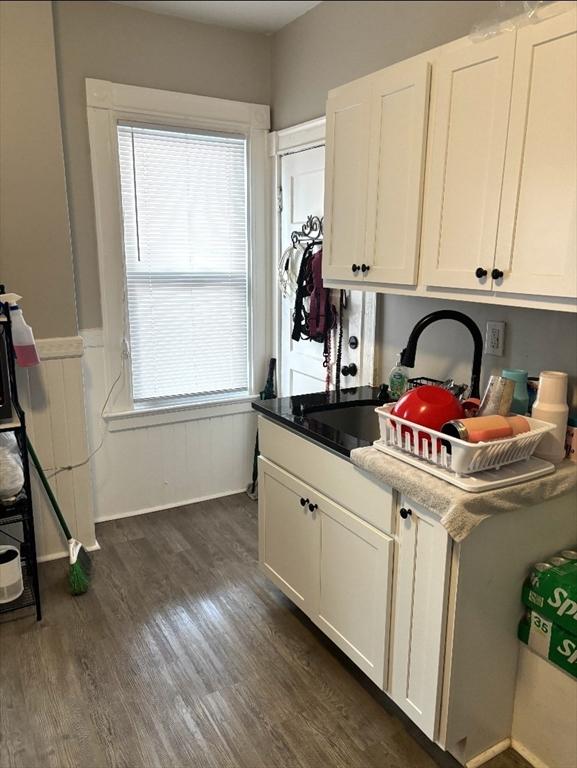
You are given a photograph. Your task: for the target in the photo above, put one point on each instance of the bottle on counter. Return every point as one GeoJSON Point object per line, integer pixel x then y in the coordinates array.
{"type": "Point", "coordinates": [398, 378]}
{"type": "Point", "coordinates": [520, 402]}
{"type": "Point", "coordinates": [23, 339]}
{"type": "Point", "coordinates": [551, 406]}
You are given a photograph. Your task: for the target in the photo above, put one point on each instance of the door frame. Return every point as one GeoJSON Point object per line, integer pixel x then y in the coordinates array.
{"type": "Point", "coordinates": [298, 138]}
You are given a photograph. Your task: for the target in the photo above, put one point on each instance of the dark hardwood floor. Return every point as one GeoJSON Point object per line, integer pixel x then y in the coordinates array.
{"type": "Point", "coordinates": [182, 654]}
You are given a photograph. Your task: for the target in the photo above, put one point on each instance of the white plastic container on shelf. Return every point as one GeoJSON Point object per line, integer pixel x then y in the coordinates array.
{"type": "Point", "coordinates": [11, 584]}
{"type": "Point", "coordinates": [451, 453]}
{"type": "Point", "coordinates": [551, 405]}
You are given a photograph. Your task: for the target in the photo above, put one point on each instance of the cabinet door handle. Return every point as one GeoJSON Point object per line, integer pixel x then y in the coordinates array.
{"type": "Point", "coordinates": [304, 502]}
{"type": "Point", "coordinates": [480, 272]}
{"type": "Point", "coordinates": [355, 268]}
{"type": "Point", "coordinates": [404, 512]}
{"type": "Point", "coordinates": [497, 274]}
{"type": "Point", "coordinates": [312, 507]}
{"type": "Point", "coordinates": [365, 268]}
{"type": "Point", "coordinates": [350, 370]}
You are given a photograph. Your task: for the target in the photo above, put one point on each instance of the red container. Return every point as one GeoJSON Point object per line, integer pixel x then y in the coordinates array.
{"type": "Point", "coordinates": [428, 406]}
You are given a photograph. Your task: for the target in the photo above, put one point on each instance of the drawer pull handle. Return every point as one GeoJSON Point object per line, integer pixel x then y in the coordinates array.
{"type": "Point", "coordinates": [404, 512]}
{"type": "Point", "coordinates": [312, 507]}
{"type": "Point", "coordinates": [304, 502]}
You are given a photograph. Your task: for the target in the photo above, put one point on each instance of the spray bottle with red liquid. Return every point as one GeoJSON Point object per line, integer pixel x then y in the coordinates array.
{"type": "Point", "coordinates": [22, 335]}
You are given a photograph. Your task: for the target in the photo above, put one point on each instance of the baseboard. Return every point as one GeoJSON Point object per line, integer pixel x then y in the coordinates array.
{"type": "Point", "coordinates": [488, 754]}
{"type": "Point", "coordinates": [535, 761]}
{"type": "Point", "coordinates": [64, 553]}
{"type": "Point", "coordinates": [172, 505]}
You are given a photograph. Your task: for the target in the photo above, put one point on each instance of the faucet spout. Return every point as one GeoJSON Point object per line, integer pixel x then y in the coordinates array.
{"type": "Point", "coordinates": [408, 354]}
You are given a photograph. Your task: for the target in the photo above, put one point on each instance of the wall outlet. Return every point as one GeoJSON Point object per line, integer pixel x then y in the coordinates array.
{"type": "Point", "coordinates": [495, 338]}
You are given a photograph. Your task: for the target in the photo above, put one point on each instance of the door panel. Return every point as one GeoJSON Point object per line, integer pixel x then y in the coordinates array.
{"type": "Point", "coordinates": [537, 247]}
{"type": "Point", "coordinates": [469, 134]}
{"type": "Point", "coordinates": [348, 110]}
{"type": "Point", "coordinates": [355, 570]}
{"type": "Point", "coordinates": [289, 534]}
{"type": "Point", "coordinates": [301, 362]}
{"type": "Point", "coordinates": [399, 107]}
{"type": "Point", "coordinates": [419, 632]}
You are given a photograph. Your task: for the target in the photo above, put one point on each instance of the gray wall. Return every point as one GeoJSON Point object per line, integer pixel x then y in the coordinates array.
{"type": "Point", "coordinates": [337, 42]}
{"type": "Point", "coordinates": [535, 340]}
{"type": "Point", "coordinates": [35, 256]}
{"type": "Point", "coordinates": [125, 45]}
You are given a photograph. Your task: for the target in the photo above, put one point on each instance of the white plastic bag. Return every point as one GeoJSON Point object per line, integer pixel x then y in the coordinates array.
{"type": "Point", "coordinates": [11, 475]}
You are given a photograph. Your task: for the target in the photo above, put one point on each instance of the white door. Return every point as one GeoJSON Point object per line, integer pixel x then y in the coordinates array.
{"type": "Point", "coordinates": [537, 248]}
{"type": "Point", "coordinates": [348, 121]}
{"type": "Point", "coordinates": [355, 578]}
{"type": "Point", "coordinates": [301, 362]}
{"type": "Point", "coordinates": [421, 577]}
{"type": "Point", "coordinates": [399, 108]}
{"type": "Point", "coordinates": [468, 130]}
{"type": "Point", "coordinates": [288, 536]}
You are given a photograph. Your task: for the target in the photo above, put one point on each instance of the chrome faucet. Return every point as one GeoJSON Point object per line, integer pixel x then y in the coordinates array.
{"type": "Point", "coordinates": [408, 353]}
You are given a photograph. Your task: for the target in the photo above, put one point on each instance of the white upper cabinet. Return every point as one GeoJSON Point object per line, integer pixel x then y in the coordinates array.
{"type": "Point", "coordinates": [536, 247]}
{"type": "Point", "coordinates": [399, 107]}
{"type": "Point", "coordinates": [347, 154]}
{"type": "Point", "coordinates": [376, 136]}
{"type": "Point", "coordinates": [468, 128]}
{"type": "Point", "coordinates": [495, 150]}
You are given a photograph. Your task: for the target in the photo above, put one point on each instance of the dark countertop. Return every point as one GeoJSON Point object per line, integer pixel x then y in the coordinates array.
{"type": "Point", "coordinates": [299, 414]}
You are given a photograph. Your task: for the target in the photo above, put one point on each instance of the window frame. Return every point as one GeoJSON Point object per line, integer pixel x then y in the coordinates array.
{"type": "Point", "coordinates": [108, 104]}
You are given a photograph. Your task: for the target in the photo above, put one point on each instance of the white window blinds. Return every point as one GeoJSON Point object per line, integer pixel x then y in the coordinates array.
{"type": "Point", "coordinates": [184, 202]}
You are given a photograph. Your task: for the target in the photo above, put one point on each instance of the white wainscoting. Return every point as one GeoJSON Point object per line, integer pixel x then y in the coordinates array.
{"type": "Point", "coordinates": [148, 468]}
{"type": "Point", "coordinates": [52, 395]}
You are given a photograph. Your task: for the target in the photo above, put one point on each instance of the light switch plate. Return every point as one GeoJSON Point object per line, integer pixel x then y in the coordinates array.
{"type": "Point", "coordinates": [495, 338]}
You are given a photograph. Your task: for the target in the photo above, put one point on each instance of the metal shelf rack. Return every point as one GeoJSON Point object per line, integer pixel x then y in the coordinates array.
{"type": "Point", "coordinates": [16, 515]}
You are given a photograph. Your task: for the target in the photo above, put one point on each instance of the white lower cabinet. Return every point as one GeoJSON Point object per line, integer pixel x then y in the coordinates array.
{"type": "Point", "coordinates": [418, 639]}
{"type": "Point", "coordinates": [330, 563]}
{"type": "Point", "coordinates": [355, 574]}
{"type": "Point", "coordinates": [288, 536]}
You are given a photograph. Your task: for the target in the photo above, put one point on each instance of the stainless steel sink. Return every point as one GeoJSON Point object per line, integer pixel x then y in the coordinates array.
{"type": "Point", "coordinates": [359, 421]}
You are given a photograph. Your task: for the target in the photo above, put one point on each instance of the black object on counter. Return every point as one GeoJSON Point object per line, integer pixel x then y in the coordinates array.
{"type": "Point", "coordinates": [408, 354]}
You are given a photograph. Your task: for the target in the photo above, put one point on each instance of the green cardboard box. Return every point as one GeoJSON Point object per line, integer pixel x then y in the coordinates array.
{"type": "Point", "coordinates": [553, 594]}
{"type": "Point", "coordinates": [550, 641]}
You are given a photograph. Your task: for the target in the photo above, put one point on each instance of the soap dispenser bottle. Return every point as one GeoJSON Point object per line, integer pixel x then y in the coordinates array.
{"type": "Point", "coordinates": [398, 379]}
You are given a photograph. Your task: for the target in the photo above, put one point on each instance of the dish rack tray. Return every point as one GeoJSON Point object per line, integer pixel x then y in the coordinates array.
{"type": "Point", "coordinates": [451, 453]}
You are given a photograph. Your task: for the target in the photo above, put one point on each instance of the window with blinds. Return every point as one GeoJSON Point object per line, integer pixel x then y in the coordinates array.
{"type": "Point", "coordinates": [184, 205]}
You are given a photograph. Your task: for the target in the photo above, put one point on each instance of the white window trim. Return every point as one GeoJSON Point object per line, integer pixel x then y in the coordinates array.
{"type": "Point", "coordinates": [107, 103]}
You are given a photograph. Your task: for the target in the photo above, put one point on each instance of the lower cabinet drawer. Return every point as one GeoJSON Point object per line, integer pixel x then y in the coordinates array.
{"type": "Point", "coordinates": [334, 566]}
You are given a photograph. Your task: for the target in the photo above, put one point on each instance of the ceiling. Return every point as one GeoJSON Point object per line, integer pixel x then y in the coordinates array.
{"type": "Point", "coordinates": [258, 16]}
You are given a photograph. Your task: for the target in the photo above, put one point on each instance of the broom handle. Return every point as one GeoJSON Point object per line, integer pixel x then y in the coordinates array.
{"type": "Point", "coordinates": [48, 490]}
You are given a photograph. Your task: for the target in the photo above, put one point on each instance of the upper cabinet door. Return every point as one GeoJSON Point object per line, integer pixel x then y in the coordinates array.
{"type": "Point", "coordinates": [399, 108]}
{"type": "Point", "coordinates": [347, 151]}
{"type": "Point", "coordinates": [536, 247]}
{"type": "Point", "coordinates": [469, 136]}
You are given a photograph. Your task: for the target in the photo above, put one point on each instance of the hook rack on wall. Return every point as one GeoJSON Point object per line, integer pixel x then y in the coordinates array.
{"type": "Point", "coordinates": [310, 232]}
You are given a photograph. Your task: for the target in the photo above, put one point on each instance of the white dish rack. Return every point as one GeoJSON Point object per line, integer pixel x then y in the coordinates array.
{"type": "Point", "coordinates": [404, 438]}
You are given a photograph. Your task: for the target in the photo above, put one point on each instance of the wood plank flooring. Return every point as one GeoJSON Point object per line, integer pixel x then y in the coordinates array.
{"type": "Point", "coordinates": [183, 655]}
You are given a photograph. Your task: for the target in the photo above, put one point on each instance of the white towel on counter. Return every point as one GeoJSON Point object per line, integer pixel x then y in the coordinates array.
{"type": "Point", "coordinates": [459, 511]}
